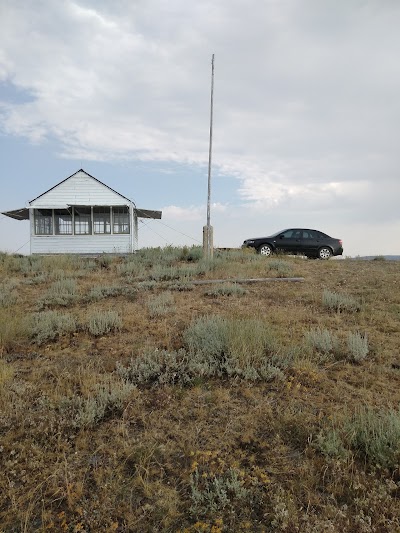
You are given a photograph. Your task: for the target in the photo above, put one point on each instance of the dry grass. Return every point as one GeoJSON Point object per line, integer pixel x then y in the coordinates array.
{"type": "Point", "coordinates": [110, 421]}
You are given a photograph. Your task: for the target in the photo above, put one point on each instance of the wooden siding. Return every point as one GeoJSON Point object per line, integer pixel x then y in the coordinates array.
{"type": "Point", "coordinates": [79, 189]}
{"type": "Point", "coordinates": [80, 244]}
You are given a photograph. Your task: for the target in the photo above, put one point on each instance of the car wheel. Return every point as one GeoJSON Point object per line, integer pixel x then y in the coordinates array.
{"type": "Point", "coordinates": [265, 249]}
{"type": "Point", "coordinates": [324, 253]}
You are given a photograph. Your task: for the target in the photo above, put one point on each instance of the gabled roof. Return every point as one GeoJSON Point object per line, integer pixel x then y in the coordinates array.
{"type": "Point", "coordinates": [23, 214]}
{"type": "Point", "coordinates": [87, 174]}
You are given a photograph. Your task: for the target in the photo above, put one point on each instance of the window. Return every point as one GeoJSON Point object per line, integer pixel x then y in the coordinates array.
{"type": "Point", "coordinates": [63, 222]}
{"type": "Point", "coordinates": [120, 220]}
{"type": "Point", "coordinates": [289, 234]}
{"type": "Point", "coordinates": [101, 219]}
{"type": "Point", "coordinates": [43, 222]}
{"type": "Point", "coordinates": [82, 221]}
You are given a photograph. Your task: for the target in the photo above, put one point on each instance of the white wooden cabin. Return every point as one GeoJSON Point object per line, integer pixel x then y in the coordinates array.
{"type": "Point", "coordinates": [82, 215]}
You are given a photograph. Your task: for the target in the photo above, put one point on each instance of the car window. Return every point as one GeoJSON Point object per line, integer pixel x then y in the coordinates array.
{"type": "Point", "coordinates": [288, 234]}
{"type": "Point", "coordinates": [307, 234]}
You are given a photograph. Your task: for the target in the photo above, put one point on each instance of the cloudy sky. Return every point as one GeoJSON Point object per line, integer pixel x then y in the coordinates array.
{"type": "Point", "coordinates": [306, 114]}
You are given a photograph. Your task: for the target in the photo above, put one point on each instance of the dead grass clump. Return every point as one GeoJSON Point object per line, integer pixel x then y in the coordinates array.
{"type": "Point", "coordinates": [6, 373]}
{"type": "Point", "coordinates": [14, 329]}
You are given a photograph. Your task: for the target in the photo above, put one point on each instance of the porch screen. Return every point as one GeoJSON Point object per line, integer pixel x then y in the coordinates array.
{"type": "Point", "coordinates": [120, 219]}
{"type": "Point", "coordinates": [102, 219]}
{"type": "Point", "coordinates": [43, 222]}
{"type": "Point", "coordinates": [82, 221]}
{"type": "Point", "coordinates": [63, 221]}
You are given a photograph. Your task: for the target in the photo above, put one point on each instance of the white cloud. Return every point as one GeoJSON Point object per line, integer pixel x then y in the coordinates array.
{"type": "Point", "coordinates": [174, 212]}
{"type": "Point", "coordinates": [196, 213]}
{"type": "Point", "coordinates": [306, 94]}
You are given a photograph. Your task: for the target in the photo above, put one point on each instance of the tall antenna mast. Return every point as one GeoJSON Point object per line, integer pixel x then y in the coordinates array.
{"type": "Point", "coordinates": [208, 230]}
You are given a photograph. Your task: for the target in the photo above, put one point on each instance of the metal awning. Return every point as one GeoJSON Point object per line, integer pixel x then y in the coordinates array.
{"type": "Point", "coordinates": [18, 214]}
{"type": "Point", "coordinates": [23, 214]}
{"type": "Point", "coordinates": [148, 213]}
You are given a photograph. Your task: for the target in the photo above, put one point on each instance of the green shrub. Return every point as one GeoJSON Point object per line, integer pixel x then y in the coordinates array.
{"type": "Point", "coordinates": [132, 268]}
{"type": "Point", "coordinates": [207, 336]}
{"type": "Point", "coordinates": [100, 292]}
{"type": "Point", "coordinates": [160, 367]}
{"type": "Point", "coordinates": [184, 286]}
{"type": "Point", "coordinates": [171, 273]}
{"type": "Point", "coordinates": [330, 444]}
{"type": "Point", "coordinates": [37, 279]}
{"type": "Point", "coordinates": [193, 254]}
{"type": "Point", "coordinates": [146, 285]}
{"type": "Point", "coordinates": [104, 261]}
{"type": "Point", "coordinates": [8, 295]}
{"type": "Point", "coordinates": [339, 302]}
{"type": "Point", "coordinates": [218, 494]}
{"type": "Point", "coordinates": [49, 325]}
{"type": "Point", "coordinates": [103, 322]}
{"type": "Point", "coordinates": [371, 434]}
{"type": "Point", "coordinates": [160, 304]}
{"type": "Point", "coordinates": [323, 341]}
{"type": "Point", "coordinates": [249, 341]}
{"type": "Point", "coordinates": [282, 267]}
{"type": "Point", "coordinates": [22, 264]}
{"type": "Point", "coordinates": [234, 347]}
{"type": "Point", "coordinates": [357, 345]}
{"type": "Point", "coordinates": [107, 399]}
{"type": "Point", "coordinates": [61, 292]}
{"type": "Point", "coordinates": [157, 367]}
{"type": "Point", "coordinates": [374, 435]}
{"type": "Point", "coordinates": [226, 289]}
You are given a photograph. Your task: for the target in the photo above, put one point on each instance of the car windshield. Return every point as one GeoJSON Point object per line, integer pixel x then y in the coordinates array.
{"type": "Point", "coordinates": [278, 233]}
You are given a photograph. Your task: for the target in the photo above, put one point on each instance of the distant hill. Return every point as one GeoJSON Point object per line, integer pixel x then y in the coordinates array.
{"type": "Point", "coordinates": [380, 257]}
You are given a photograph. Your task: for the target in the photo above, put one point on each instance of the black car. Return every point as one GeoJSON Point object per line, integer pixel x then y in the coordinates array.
{"type": "Point", "coordinates": [308, 242]}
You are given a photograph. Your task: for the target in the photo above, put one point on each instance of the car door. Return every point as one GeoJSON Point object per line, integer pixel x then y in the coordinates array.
{"type": "Point", "coordinates": [289, 240]}
{"type": "Point", "coordinates": [310, 242]}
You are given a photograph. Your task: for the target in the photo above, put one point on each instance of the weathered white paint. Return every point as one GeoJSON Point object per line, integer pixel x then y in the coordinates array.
{"type": "Point", "coordinates": [79, 189]}
{"type": "Point", "coordinates": [81, 244]}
